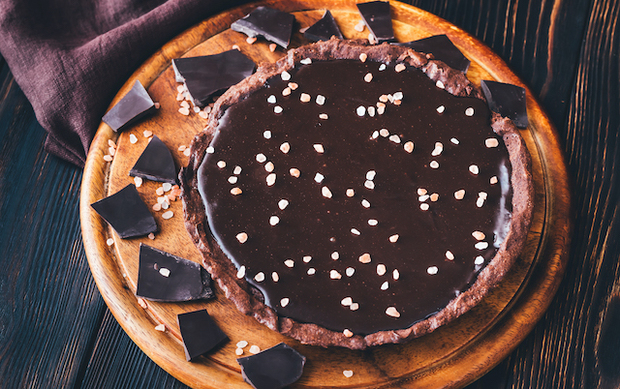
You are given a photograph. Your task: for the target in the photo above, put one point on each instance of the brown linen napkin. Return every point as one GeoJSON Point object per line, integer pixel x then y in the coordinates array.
{"type": "Point", "coordinates": [71, 57]}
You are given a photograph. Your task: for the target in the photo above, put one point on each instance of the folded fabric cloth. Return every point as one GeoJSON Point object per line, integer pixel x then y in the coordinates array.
{"type": "Point", "coordinates": [71, 57]}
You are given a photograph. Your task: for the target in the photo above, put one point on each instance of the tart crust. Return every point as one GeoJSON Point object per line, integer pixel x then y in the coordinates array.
{"type": "Point", "coordinates": [249, 300]}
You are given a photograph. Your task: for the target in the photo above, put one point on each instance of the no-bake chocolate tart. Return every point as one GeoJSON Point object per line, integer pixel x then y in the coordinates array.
{"type": "Point", "coordinates": [356, 195]}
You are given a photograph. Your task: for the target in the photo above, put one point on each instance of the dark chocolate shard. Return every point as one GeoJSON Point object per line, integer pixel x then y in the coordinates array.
{"type": "Point", "coordinates": [166, 277]}
{"type": "Point", "coordinates": [274, 25]}
{"type": "Point", "coordinates": [208, 75]}
{"type": "Point", "coordinates": [273, 368]}
{"type": "Point", "coordinates": [156, 163]}
{"type": "Point", "coordinates": [324, 29]}
{"type": "Point", "coordinates": [442, 48]}
{"type": "Point", "coordinates": [378, 19]}
{"type": "Point", "coordinates": [126, 213]}
{"type": "Point", "coordinates": [200, 333]}
{"type": "Point", "coordinates": [132, 107]}
{"type": "Point", "coordinates": [506, 99]}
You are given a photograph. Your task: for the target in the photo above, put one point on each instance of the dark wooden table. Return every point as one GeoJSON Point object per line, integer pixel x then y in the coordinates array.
{"type": "Point", "coordinates": [55, 330]}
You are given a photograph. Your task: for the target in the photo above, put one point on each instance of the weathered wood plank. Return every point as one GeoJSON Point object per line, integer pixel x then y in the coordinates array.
{"type": "Point", "coordinates": [49, 304]}
{"type": "Point", "coordinates": [117, 362]}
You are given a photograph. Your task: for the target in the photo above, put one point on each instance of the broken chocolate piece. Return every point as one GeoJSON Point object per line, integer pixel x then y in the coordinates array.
{"type": "Point", "coordinates": [126, 213]}
{"type": "Point", "coordinates": [324, 29]}
{"type": "Point", "coordinates": [208, 75]}
{"type": "Point", "coordinates": [166, 277]}
{"type": "Point", "coordinates": [132, 107]}
{"type": "Point", "coordinates": [273, 368]}
{"type": "Point", "coordinates": [200, 333]}
{"type": "Point", "coordinates": [274, 25]}
{"type": "Point", "coordinates": [506, 99]}
{"type": "Point", "coordinates": [378, 19]}
{"type": "Point", "coordinates": [155, 163]}
{"type": "Point", "coordinates": [442, 48]}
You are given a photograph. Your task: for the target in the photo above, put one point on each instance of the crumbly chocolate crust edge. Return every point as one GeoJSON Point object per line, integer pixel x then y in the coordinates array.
{"type": "Point", "coordinates": [249, 301]}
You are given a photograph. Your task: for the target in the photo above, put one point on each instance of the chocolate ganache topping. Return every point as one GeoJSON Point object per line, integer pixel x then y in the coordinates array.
{"type": "Point", "coordinates": [357, 195]}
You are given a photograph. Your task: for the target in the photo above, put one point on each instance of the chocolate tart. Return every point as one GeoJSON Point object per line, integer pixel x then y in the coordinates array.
{"type": "Point", "coordinates": [356, 195]}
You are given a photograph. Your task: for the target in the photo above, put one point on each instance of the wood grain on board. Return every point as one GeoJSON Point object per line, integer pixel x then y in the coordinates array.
{"type": "Point", "coordinates": [55, 330]}
{"type": "Point", "coordinates": [452, 356]}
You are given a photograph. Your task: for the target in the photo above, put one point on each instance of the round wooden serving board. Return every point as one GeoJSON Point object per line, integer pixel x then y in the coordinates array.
{"type": "Point", "coordinates": [452, 356]}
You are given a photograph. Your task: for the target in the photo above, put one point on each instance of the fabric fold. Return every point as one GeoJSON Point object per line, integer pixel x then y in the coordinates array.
{"type": "Point", "coordinates": [71, 58]}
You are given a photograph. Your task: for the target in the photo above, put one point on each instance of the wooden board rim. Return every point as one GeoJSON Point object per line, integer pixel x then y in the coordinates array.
{"type": "Point", "coordinates": [474, 359]}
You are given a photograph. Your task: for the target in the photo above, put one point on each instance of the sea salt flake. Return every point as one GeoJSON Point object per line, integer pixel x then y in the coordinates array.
{"type": "Point", "coordinates": [481, 245]}
{"type": "Point", "coordinates": [432, 270]}
{"type": "Point", "coordinates": [391, 311]}
{"type": "Point", "coordinates": [408, 146]}
{"type": "Point", "coordinates": [365, 258]}
{"type": "Point", "coordinates": [242, 237]}
{"type": "Point", "coordinates": [459, 194]}
{"type": "Point", "coordinates": [491, 142]}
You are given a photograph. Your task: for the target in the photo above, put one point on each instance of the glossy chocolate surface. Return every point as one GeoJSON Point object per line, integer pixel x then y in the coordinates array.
{"type": "Point", "coordinates": [166, 277]}
{"type": "Point", "coordinates": [156, 163]}
{"type": "Point", "coordinates": [132, 107]}
{"type": "Point", "coordinates": [208, 75]}
{"type": "Point", "coordinates": [324, 28]}
{"type": "Point", "coordinates": [506, 99]}
{"type": "Point", "coordinates": [272, 24]}
{"type": "Point", "coordinates": [333, 266]}
{"type": "Point", "coordinates": [442, 49]}
{"type": "Point", "coordinates": [378, 19]}
{"type": "Point", "coordinates": [127, 213]}
{"type": "Point", "coordinates": [200, 333]}
{"type": "Point", "coordinates": [274, 368]}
